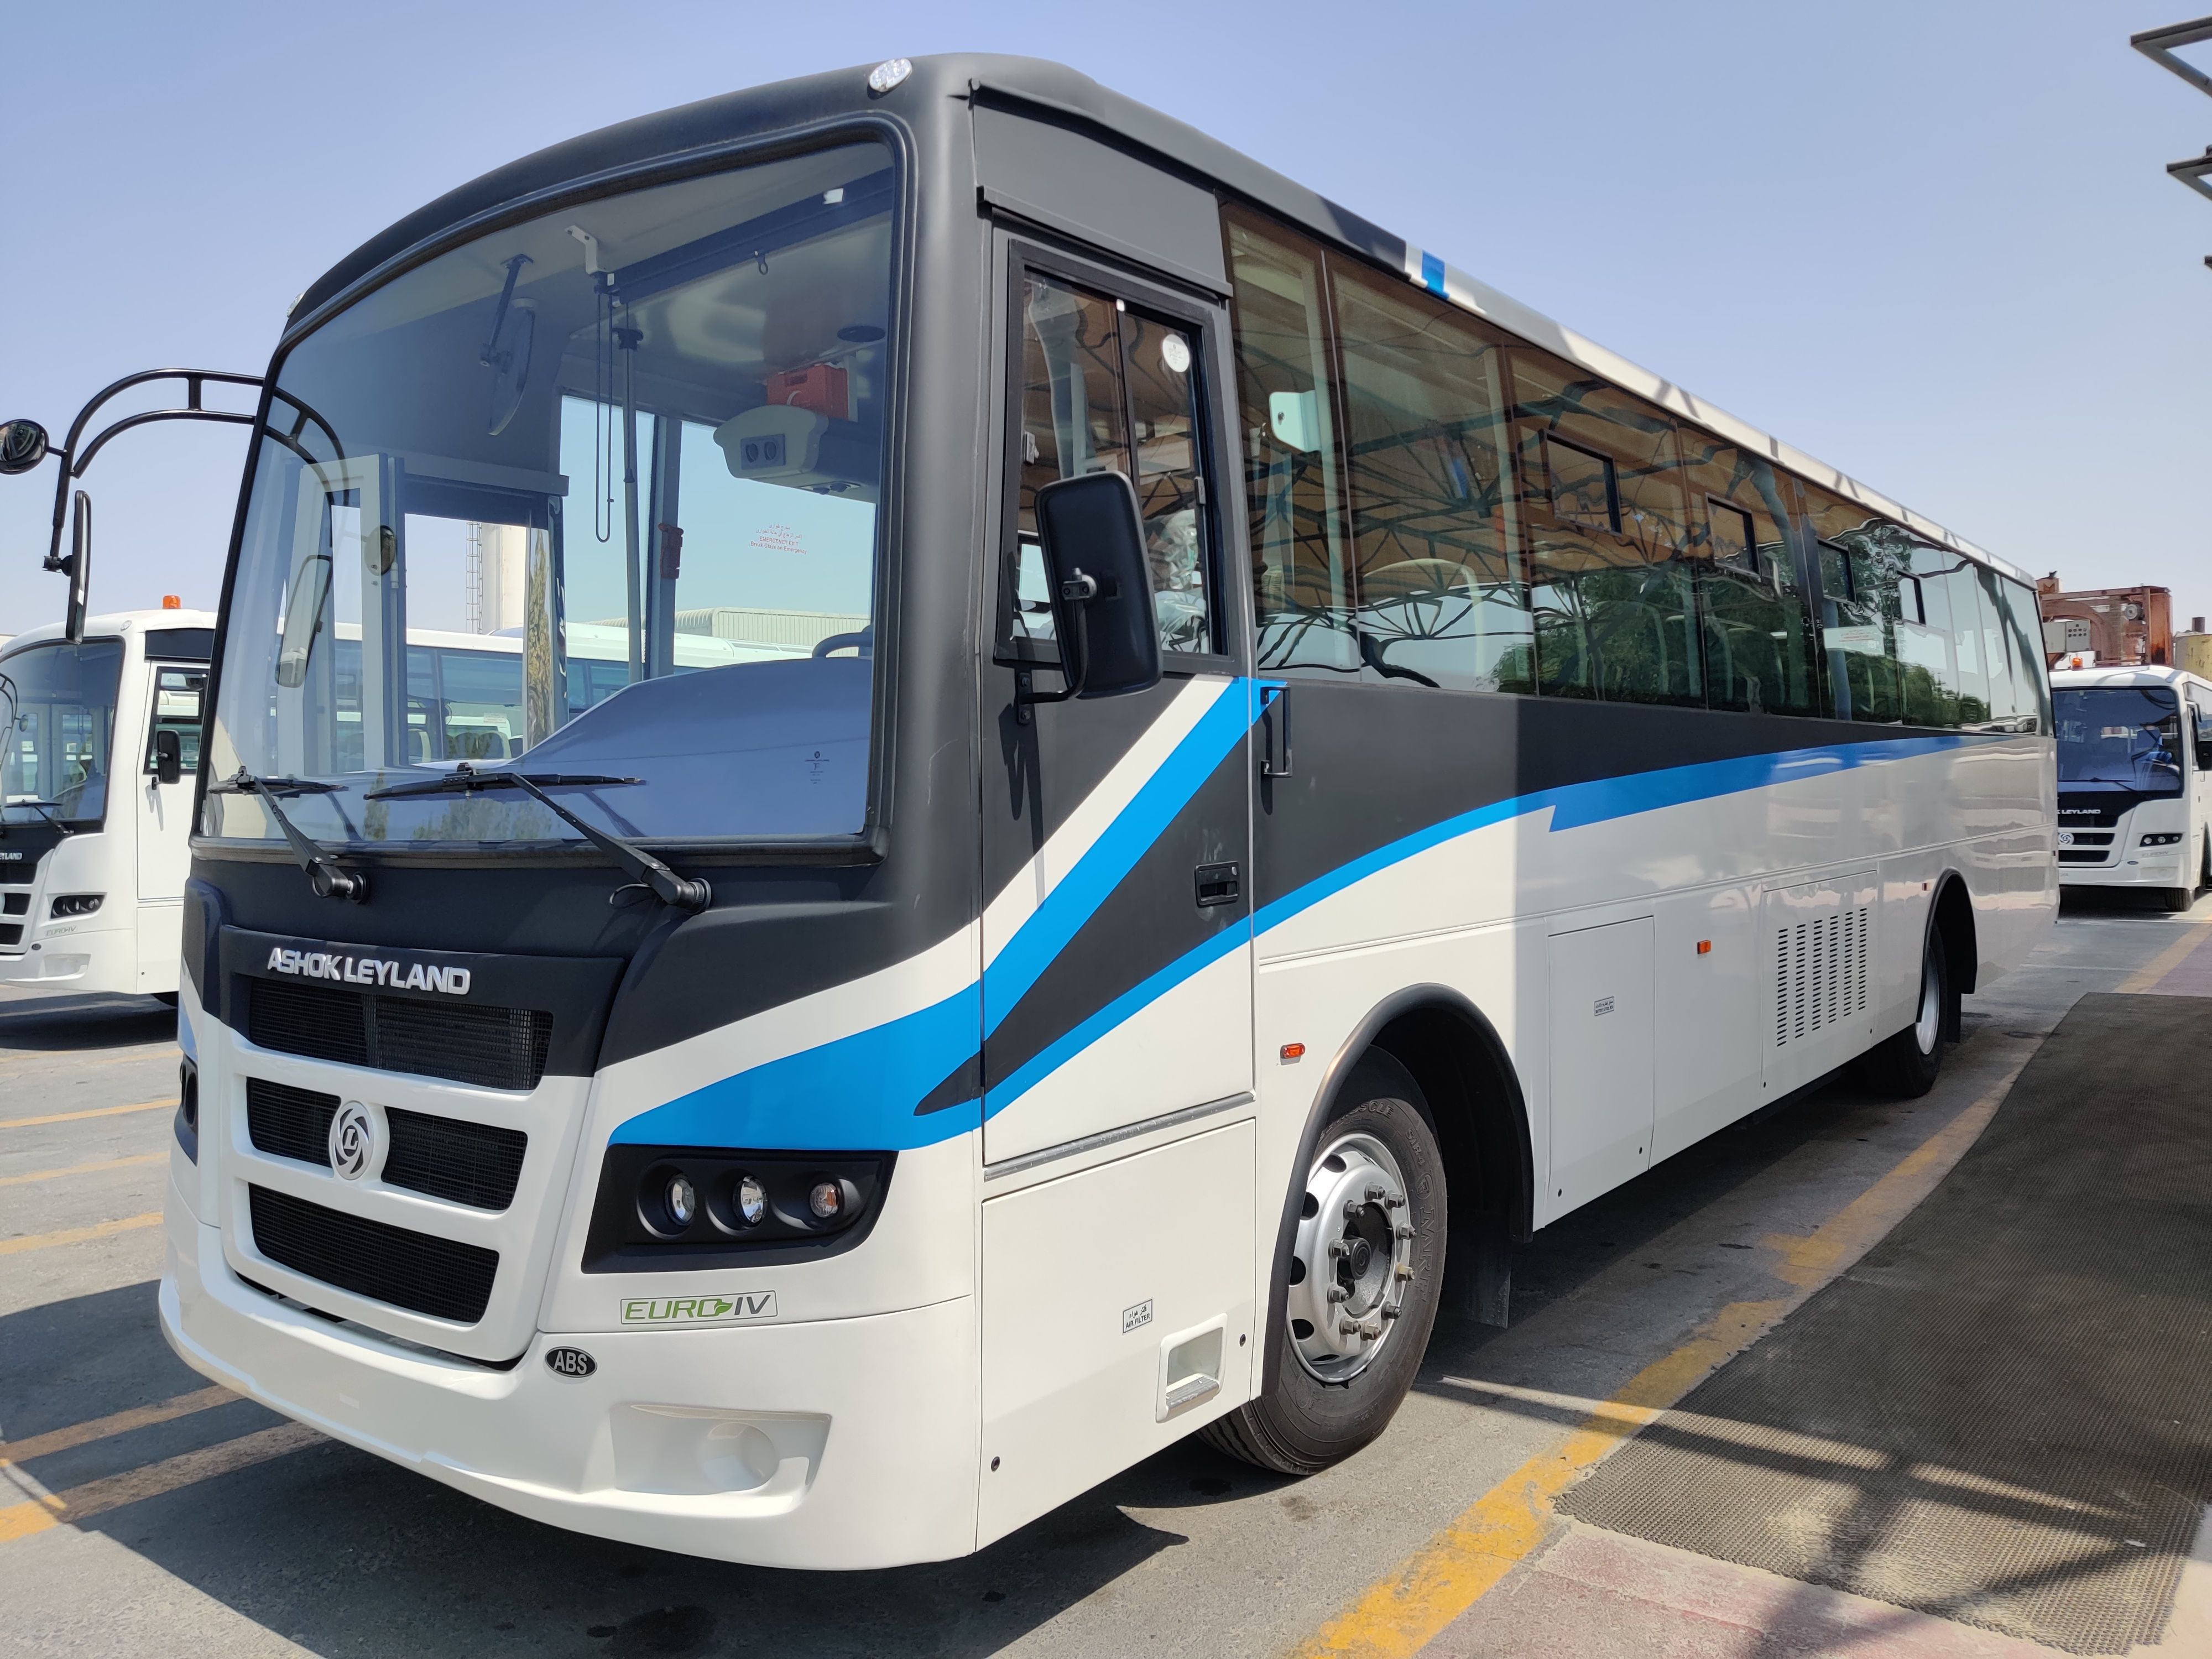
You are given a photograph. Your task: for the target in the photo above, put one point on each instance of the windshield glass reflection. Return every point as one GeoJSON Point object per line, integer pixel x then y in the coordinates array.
{"type": "Point", "coordinates": [597, 494]}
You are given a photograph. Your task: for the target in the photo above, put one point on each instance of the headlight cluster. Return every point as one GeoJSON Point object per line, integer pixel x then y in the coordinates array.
{"type": "Point", "coordinates": [188, 1108]}
{"type": "Point", "coordinates": [2163, 838]}
{"type": "Point", "coordinates": [74, 904]}
{"type": "Point", "coordinates": [663, 1207]}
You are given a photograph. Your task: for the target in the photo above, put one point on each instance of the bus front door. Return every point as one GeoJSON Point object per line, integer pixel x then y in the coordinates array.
{"type": "Point", "coordinates": [163, 827]}
{"type": "Point", "coordinates": [1119, 1261]}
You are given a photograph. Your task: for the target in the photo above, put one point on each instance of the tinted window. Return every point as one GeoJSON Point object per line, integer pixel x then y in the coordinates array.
{"type": "Point", "coordinates": [177, 694]}
{"type": "Point", "coordinates": [1756, 628]}
{"type": "Point", "coordinates": [1998, 659]}
{"type": "Point", "coordinates": [1301, 555]}
{"type": "Point", "coordinates": [1436, 575]}
{"type": "Point", "coordinates": [1611, 580]}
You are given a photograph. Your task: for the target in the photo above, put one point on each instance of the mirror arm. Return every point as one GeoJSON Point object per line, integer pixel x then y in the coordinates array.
{"type": "Point", "coordinates": [1076, 590]}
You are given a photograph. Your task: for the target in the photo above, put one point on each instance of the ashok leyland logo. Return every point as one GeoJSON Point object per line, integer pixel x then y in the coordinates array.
{"type": "Point", "coordinates": [699, 1309]}
{"type": "Point", "coordinates": [370, 970]}
{"type": "Point", "coordinates": [353, 1141]}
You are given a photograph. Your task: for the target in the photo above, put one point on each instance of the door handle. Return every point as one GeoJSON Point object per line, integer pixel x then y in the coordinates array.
{"type": "Point", "coordinates": [1218, 883]}
{"type": "Point", "coordinates": [1276, 737]}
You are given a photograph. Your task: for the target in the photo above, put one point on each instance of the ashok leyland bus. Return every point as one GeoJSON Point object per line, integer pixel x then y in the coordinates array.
{"type": "Point", "coordinates": [2134, 779]}
{"type": "Point", "coordinates": [101, 742]}
{"type": "Point", "coordinates": [1283, 772]}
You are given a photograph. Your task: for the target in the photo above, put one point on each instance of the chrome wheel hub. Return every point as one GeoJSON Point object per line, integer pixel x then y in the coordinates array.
{"type": "Point", "coordinates": [1353, 1259]}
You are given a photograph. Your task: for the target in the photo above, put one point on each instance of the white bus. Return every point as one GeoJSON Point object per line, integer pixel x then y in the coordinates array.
{"type": "Point", "coordinates": [92, 823]}
{"type": "Point", "coordinates": [1286, 773]}
{"type": "Point", "coordinates": [2134, 779]}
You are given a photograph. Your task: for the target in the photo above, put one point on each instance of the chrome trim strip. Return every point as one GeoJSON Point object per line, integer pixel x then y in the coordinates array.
{"type": "Point", "coordinates": [1108, 1137]}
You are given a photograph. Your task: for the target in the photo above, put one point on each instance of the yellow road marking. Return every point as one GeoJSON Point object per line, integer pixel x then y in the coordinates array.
{"type": "Point", "coordinates": [78, 1235]}
{"type": "Point", "coordinates": [37, 1515]}
{"type": "Point", "coordinates": [85, 1169]}
{"type": "Point", "coordinates": [96, 1111]}
{"type": "Point", "coordinates": [2166, 960]}
{"type": "Point", "coordinates": [1399, 1615]}
{"type": "Point", "coordinates": [100, 1428]}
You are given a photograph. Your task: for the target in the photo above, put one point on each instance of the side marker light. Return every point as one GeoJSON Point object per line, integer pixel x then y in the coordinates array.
{"type": "Point", "coordinates": [1292, 1052]}
{"type": "Point", "coordinates": [826, 1201]}
{"type": "Point", "coordinates": [1705, 947]}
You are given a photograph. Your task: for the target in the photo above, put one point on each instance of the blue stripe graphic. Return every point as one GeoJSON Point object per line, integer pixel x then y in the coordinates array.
{"type": "Point", "coordinates": [859, 1091]}
{"type": "Point", "coordinates": [1432, 275]}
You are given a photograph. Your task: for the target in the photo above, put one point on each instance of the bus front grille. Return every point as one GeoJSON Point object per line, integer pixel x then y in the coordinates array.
{"type": "Point", "coordinates": [493, 1048]}
{"type": "Point", "coordinates": [473, 1164]}
{"type": "Point", "coordinates": [435, 1277]}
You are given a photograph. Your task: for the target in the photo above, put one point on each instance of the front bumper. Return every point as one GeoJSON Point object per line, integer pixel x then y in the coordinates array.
{"type": "Point", "coordinates": [831, 1443]}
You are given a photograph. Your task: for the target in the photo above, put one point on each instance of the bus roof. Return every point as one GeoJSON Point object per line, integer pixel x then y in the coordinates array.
{"type": "Point", "coordinates": [2124, 674]}
{"type": "Point", "coordinates": [1053, 92]}
{"type": "Point", "coordinates": [112, 624]}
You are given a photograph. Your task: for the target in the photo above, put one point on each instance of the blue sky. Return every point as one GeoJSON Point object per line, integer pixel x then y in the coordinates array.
{"type": "Point", "coordinates": [1933, 244]}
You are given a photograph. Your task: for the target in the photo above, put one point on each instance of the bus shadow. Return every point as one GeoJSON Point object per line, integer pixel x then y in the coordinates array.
{"type": "Point", "coordinates": [32, 1022]}
{"type": "Point", "coordinates": [2148, 904]}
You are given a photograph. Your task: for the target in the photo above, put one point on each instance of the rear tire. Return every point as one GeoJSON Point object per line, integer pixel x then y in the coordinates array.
{"type": "Point", "coordinates": [1907, 1064]}
{"type": "Point", "coordinates": [1333, 1394]}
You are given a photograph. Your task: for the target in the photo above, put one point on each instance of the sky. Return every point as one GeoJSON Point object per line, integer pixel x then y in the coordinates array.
{"type": "Point", "coordinates": [1931, 243]}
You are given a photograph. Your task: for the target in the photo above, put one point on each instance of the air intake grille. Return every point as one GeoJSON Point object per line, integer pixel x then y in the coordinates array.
{"type": "Point", "coordinates": [472, 1163]}
{"type": "Point", "coordinates": [464, 1163]}
{"type": "Point", "coordinates": [288, 1122]}
{"type": "Point", "coordinates": [410, 1270]}
{"type": "Point", "coordinates": [496, 1048]}
{"type": "Point", "coordinates": [1821, 972]}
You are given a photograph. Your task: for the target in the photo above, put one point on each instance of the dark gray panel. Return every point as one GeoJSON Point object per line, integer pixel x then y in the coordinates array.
{"type": "Point", "coordinates": [1062, 179]}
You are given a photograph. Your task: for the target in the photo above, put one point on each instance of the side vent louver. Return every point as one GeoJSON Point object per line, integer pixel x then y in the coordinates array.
{"type": "Point", "coordinates": [1822, 971]}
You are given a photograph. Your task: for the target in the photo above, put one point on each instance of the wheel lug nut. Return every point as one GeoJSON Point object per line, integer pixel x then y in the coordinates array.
{"type": "Point", "coordinates": [1338, 1249]}
{"type": "Point", "coordinates": [1395, 1201]}
{"type": "Point", "coordinates": [1404, 1230]}
{"type": "Point", "coordinates": [1392, 1311]}
{"type": "Point", "coordinates": [1374, 1195]}
{"type": "Point", "coordinates": [1338, 1293]}
{"type": "Point", "coordinates": [1405, 1270]}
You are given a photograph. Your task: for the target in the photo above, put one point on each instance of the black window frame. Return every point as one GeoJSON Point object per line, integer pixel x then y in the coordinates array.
{"type": "Point", "coordinates": [1207, 323]}
{"type": "Point", "coordinates": [1547, 440]}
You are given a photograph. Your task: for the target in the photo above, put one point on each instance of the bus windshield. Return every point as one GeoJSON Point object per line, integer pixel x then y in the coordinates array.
{"type": "Point", "coordinates": [2126, 736]}
{"type": "Point", "coordinates": [59, 702]}
{"type": "Point", "coordinates": [596, 493]}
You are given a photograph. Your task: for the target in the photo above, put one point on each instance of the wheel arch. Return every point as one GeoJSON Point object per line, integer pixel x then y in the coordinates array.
{"type": "Point", "coordinates": [1952, 916]}
{"type": "Point", "coordinates": [1454, 1054]}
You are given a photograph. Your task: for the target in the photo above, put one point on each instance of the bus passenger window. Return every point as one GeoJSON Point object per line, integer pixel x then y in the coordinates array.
{"type": "Point", "coordinates": [1440, 599]}
{"type": "Point", "coordinates": [1293, 487]}
{"type": "Point", "coordinates": [1611, 576]}
{"type": "Point", "coordinates": [1753, 621]}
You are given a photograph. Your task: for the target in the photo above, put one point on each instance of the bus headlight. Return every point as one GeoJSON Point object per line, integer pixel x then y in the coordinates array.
{"type": "Point", "coordinates": [2163, 838]}
{"type": "Point", "coordinates": [663, 1207]}
{"type": "Point", "coordinates": [74, 904]}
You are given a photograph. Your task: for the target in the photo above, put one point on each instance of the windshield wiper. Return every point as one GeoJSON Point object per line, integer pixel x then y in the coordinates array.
{"type": "Point", "coordinates": [323, 876]}
{"type": "Point", "coordinates": [657, 877]}
{"type": "Point", "coordinates": [46, 809]}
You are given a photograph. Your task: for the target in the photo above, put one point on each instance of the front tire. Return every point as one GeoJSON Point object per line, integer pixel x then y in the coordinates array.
{"type": "Point", "coordinates": [2177, 898]}
{"type": "Point", "coordinates": [1907, 1064]}
{"type": "Point", "coordinates": [1365, 1274]}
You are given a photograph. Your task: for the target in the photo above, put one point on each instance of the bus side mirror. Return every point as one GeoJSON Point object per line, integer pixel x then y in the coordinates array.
{"type": "Point", "coordinates": [168, 757]}
{"type": "Point", "coordinates": [1100, 585]}
{"type": "Point", "coordinates": [2204, 754]}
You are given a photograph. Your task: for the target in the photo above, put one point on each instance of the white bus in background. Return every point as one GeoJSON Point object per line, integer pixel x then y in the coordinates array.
{"type": "Point", "coordinates": [93, 820]}
{"type": "Point", "coordinates": [2134, 779]}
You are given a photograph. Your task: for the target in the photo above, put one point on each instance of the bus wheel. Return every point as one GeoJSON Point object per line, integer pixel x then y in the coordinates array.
{"type": "Point", "coordinates": [1905, 1066]}
{"type": "Point", "coordinates": [2178, 898]}
{"type": "Point", "coordinates": [1365, 1270]}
